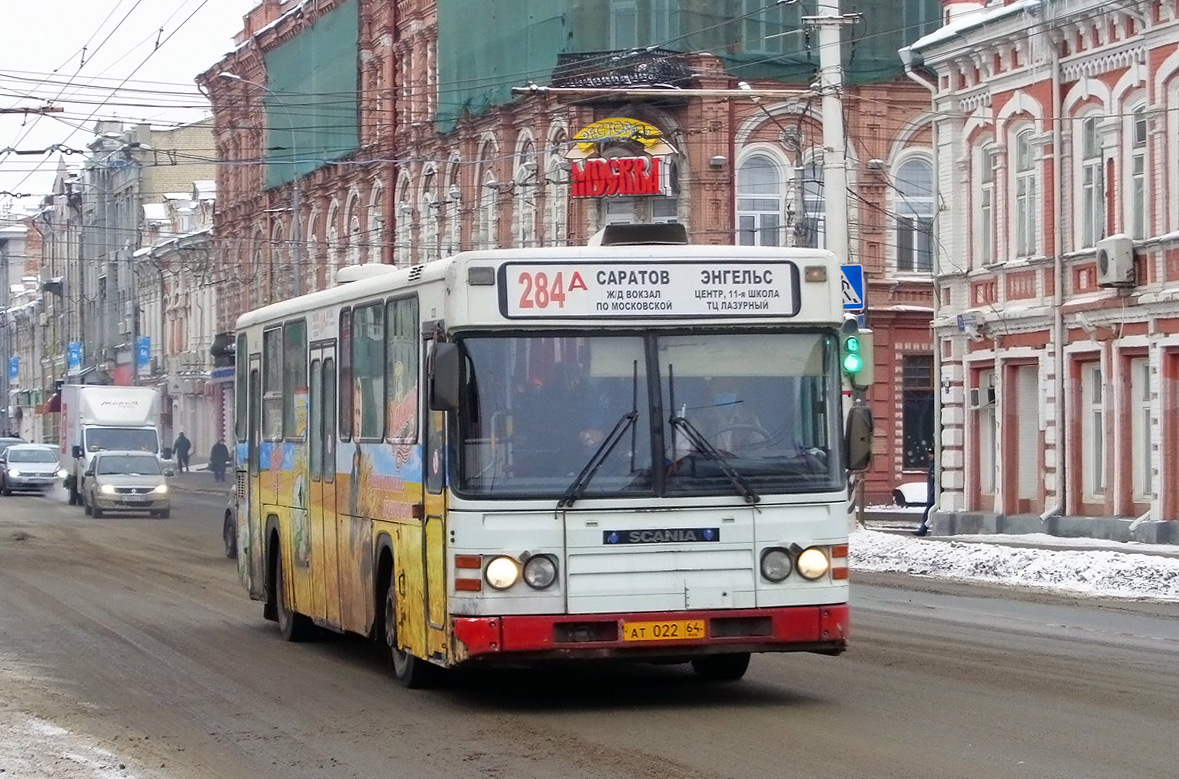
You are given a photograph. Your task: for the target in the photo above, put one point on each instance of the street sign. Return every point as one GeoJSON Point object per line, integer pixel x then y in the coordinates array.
{"type": "Point", "coordinates": [13, 368]}
{"type": "Point", "coordinates": [852, 287]}
{"type": "Point", "coordinates": [74, 357]}
{"type": "Point", "coordinates": [143, 354]}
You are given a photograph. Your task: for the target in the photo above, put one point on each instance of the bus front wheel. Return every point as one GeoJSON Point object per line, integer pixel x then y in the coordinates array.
{"type": "Point", "coordinates": [413, 672]}
{"type": "Point", "coordinates": [721, 668]}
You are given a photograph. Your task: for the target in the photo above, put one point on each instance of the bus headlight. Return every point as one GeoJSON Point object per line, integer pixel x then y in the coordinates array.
{"type": "Point", "coordinates": [813, 563]}
{"type": "Point", "coordinates": [540, 572]}
{"type": "Point", "coordinates": [775, 564]}
{"type": "Point", "coordinates": [502, 572]}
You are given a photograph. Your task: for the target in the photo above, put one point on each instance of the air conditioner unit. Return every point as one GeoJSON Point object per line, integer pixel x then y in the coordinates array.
{"type": "Point", "coordinates": [1115, 262]}
{"type": "Point", "coordinates": [124, 328]}
{"type": "Point", "coordinates": [982, 397]}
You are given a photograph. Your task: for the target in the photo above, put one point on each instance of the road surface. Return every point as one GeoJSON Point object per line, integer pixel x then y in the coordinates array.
{"type": "Point", "coordinates": [129, 649]}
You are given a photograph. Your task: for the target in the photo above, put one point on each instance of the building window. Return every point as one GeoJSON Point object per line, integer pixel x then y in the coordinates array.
{"type": "Point", "coordinates": [762, 25]}
{"type": "Point", "coordinates": [986, 207]}
{"type": "Point", "coordinates": [812, 226]}
{"type": "Point", "coordinates": [1092, 431]}
{"type": "Point", "coordinates": [402, 240]}
{"type": "Point", "coordinates": [665, 22]}
{"type": "Point", "coordinates": [624, 25]}
{"type": "Point", "coordinates": [664, 210]}
{"type": "Point", "coordinates": [914, 209]}
{"type": "Point", "coordinates": [1141, 442]}
{"type": "Point", "coordinates": [430, 210]}
{"type": "Point", "coordinates": [1026, 186]}
{"type": "Point", "coordinates": [453, 214]}
{"type": "Point", "coordinates": [487, 213]}
{"type": "Point", "coordinates": [917, 409]}
{"type": "Point", "coordinates": [556, 204]}
{"type": "Point", "coordinates": [525, 191]}
{"type": "Point", "coordinates": [988, 437]}
{"type": "Point", "coordinates": [1092, 200]}
{"type": "Point", "coordinates": [759, 202]}
{"type": "Point", "coordinates": [1137, 188]}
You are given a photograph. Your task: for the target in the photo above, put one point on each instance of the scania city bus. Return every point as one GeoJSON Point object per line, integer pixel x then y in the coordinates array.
{"type": "Point", "coordinates": [629, 452]}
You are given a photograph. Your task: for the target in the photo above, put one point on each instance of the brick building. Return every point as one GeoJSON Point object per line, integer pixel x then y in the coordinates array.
{"type": "Point", "coordinates": [391, 130]}
{"type": "Point", "coordinates": [1057, 325]}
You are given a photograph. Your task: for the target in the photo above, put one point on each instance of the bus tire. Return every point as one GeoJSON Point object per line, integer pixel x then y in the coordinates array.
{"type": "Point", "coordinates": [413, 672]}
{"type": "Point", "coordinates": [293, 626]}
{"type": "Point", "coordinates": [229, 536]}
{"type": "Point", "coordinates": [721, 668]}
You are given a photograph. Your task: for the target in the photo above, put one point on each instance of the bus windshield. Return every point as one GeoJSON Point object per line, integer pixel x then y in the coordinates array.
{"type": "Point", "coordinates": [724, 413]}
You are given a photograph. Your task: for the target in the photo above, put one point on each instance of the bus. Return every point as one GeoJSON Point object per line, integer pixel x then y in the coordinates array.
{"type": "Point", "coordinates": [625, 450]}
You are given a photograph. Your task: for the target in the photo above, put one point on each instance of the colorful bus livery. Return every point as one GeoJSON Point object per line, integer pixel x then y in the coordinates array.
{"type": "Point", "coordinates": [483, 460]}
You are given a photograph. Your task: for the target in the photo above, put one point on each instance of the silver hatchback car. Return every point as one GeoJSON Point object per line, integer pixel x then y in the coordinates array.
{"type": "Point", "coordinates": [126, 481]}
{"type": "Point", "coordinates": [29, 468]}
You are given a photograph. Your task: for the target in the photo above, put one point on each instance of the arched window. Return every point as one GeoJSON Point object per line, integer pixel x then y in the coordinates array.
{"type": "Point", "coordinates": [374, 241]}
{"type": "Point", "coordinates": [429, 208]}
{"type": "Point", "coordinates": [759, 202]}
{"type": "Point", "coordinates": [454, 223]}
{"type": "Point", "coordinates": [984, 224]}
{"type": "Point", "coordinates": [1026, 195]}
{"type": "Point", "coordinates": [525, 191]}
{"type": "Point", "coordinates": [1136, 198]}
{"type": "Point", "coordinates": [812, 225]}
{"type": "Point", "coordinates": [487, 218]}
{"type": "Point", "coordinates": [1091, 197]}
{"type": "Point", "coordinates": [355, 236]}
{"type": "Point", "coordinates": [402, 231]}
{"type": "Point", "coordinates": [914, 210]}
{"type": "Point", "coordinates": [333, 244]}
{"type": "Point", "coordinates": [278, 257]}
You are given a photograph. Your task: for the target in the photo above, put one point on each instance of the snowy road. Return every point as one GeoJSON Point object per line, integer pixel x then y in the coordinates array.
{"type": "Point", "coordinates": [127, 649]}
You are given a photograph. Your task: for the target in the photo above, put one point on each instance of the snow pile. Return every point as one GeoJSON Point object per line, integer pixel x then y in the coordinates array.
{"type": "Point", "coordinates": [1097, 571]}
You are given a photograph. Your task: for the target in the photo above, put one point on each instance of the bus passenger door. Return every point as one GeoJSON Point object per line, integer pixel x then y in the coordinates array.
{"type": "Point", "coordinates": [251, 511]}
{"type": "Point", "coordinates": [325, 570]}
{"type": "Point", "coordinates": [434, 530]}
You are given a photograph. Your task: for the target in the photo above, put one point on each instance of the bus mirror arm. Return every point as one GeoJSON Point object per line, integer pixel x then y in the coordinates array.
{"type": "Point", "coordinates": [858, 438]}
{"type": "Point", "coordinates": [445, 377]}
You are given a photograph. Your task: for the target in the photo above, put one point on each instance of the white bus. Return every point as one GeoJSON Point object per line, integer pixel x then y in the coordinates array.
{"type": "Point", "coordinates": [627, 452]}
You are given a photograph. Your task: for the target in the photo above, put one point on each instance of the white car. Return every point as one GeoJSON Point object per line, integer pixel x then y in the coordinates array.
{"type": "Point", "coordinates": [911, 493]}
{"type": "Point", "coordinates": [126, 481]}
{"type": "Point", "coordinates": [29, 468]}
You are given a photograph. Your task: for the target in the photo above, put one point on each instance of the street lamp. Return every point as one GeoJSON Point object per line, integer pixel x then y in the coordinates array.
{"type": "Point", "coordinates": [296, 227]}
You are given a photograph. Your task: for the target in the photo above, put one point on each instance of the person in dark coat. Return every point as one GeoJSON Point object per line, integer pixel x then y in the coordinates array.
{"type": "Point", "coordinates": [182, 448]}
{"type": "Point", "coordinates": [923, 528]}
{"type": "Point", "coordinates": [218, 460]}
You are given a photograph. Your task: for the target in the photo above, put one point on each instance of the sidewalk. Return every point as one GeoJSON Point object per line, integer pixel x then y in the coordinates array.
{"type": "Point", "coordinates": [199, 479]}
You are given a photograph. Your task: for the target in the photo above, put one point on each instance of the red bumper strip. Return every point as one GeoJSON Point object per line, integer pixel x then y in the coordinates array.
{"type": "Point", "coordinates": [777, 627]}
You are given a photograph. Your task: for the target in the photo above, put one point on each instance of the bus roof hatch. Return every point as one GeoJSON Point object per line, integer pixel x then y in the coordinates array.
{"type": "Point", "coordinates": [639, 234]}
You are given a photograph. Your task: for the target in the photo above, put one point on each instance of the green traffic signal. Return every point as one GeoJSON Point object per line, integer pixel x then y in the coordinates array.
{"type": "Point", "coordinates": [853, 360]}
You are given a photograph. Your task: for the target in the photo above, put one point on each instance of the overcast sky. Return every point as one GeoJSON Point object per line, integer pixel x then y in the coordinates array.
{"type": "Point", "coordinates": [157, 46]}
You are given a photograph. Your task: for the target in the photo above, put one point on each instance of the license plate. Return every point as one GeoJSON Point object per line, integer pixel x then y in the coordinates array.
{"type": "Point", "coordinates": [670, 630]}
{"type": "Point", "coordinates": [134, 498]}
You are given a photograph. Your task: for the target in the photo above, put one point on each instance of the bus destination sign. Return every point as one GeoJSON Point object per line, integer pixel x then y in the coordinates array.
{"type": "Point", "coordinates": [628, 290]}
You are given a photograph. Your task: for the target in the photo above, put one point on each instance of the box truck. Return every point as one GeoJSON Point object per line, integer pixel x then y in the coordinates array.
{"type": "Point", "coordinates": [96, 417]}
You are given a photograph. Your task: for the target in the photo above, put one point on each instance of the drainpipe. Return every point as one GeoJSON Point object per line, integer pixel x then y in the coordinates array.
{"type": "Point", "coordinates": [1057, 290]}
{"type": "Point", "coordinates": [906, 55]}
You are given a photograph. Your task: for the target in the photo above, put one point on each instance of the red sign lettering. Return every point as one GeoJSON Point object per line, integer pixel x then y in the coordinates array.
{"type": "Point", "coordinates": [616, 176]}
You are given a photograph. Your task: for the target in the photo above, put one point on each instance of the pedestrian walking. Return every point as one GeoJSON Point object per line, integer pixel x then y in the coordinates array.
{"type": "Point", "coordinates": [182, 447]}
{"type": "Point", "coordinates": [218, 459]}
{"type": "Point", "coordinates": [923, 528]}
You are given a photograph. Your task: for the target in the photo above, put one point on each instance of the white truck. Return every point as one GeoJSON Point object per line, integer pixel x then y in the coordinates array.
{"type": "Point", "coordinates": [97, 417]}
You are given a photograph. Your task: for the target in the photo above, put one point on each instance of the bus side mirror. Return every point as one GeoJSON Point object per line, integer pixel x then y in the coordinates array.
{"type": "Point", "coordinates": [445, 377]}
{"type": "Point", "coordinates": [859, 438]}
{"type": "Point", "coordinates": [77, 452]}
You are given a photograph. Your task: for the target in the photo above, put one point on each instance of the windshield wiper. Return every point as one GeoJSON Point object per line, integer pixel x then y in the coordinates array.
{"type": "Point", "coordinates": [705, 447]}
{"type": "Point", "coordinates": [624, 423]}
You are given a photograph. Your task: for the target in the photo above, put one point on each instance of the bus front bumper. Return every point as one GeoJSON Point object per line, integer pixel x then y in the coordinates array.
{"type": "Point", "coordinates": [650, 636]}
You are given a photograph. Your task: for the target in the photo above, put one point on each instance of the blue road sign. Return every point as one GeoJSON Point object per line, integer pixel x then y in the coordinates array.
{"type": "Point", "coordinates": [74, 356]}
{"type": "Point", "coordinates": [143, 352]}
{"type": "Point", "coordinates": [852, 287]}
{"type": "Point", "coordinates": [13, 368]}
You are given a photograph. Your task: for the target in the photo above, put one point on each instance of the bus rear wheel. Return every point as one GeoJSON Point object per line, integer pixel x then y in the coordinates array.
{"type": "Point", "coordinates": [413, 672]}
{"type": "Point", "coordinates": [721, 668]}
{"type": "Point", "coordinates": [291, 624]}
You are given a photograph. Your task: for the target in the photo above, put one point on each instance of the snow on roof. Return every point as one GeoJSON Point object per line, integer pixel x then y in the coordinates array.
{"type": "Point", "coordinates": [155, 212]}
{"type": "Point", "coordinates": [972, 19]}
{"type": "Point", "coordinates": [204, 189]}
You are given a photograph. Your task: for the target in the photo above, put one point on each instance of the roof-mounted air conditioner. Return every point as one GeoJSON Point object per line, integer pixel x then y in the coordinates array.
{"type": "Point", "coordinates": [1115, 262]}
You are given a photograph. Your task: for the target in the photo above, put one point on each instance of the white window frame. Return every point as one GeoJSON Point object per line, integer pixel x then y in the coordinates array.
{"type": "Point", "coordinates": [430, 213]}
{"type": "Point", "coordinates": [556, 199]}
{"type": "Point", "coordinates": [1141, 429]}
{"type": "Point", "coordinates": [758, 20]}
{"type": "Point", "coordinates": [985, 244]}
{"type": "Point", "coordinates": [1137, 203]}
{"type": "Point", "coordinates": [910, 217]}
{"type": "Point", "coordinates": [1025, 191]}
{"type": "Point", "coordinates": [760, 223]}
{"type": "Point", "coordinates": [810, 176]}
{"type": "Point", "coordinates": [1090, 211]}
{"type": "Point", "coordinates": [1093, 438]}
{"type": "Point", "coordinates": [665, 23]}
{"type": "Point", "coordinates": [402, 250]}
{"type": "Point", "coordinates": [988, 440]}
{"type": "Point", "coordinates": [624, 36]}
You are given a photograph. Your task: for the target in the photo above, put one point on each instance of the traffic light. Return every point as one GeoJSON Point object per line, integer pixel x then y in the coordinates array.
{"type": "Point", "coordinates": [855, 354]}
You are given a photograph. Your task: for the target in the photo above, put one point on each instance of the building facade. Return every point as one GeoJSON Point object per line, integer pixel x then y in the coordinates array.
{"type": "Point", "coordinates": [1057, 325]}
{"type": "Point", "coordinates": [423, 150]}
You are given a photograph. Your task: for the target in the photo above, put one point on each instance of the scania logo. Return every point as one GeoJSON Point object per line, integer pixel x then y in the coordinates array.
{"type": "Point", "coordinates": [678, 535]}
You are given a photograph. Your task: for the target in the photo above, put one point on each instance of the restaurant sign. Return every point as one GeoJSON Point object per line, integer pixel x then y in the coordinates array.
{"type": "Point", "coordinates": [640, 173]}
